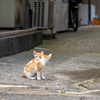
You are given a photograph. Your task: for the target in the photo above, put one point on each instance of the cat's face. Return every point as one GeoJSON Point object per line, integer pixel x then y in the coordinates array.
{"type": "Point", "coordinates": [41, 55]}
{"type": "Point", "coordinates": [37, 55]}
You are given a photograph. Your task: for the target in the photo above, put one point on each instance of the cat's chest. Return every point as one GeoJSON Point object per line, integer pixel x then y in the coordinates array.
{"type": "Point", "coordinates": [43, 62]}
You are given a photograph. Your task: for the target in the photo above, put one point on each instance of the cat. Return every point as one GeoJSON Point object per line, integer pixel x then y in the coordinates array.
{"type": "Point", "coordinates": [36, 65]}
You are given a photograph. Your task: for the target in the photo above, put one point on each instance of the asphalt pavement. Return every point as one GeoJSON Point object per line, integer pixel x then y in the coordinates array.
{"type": "Point", "coordinates": [74, 68]}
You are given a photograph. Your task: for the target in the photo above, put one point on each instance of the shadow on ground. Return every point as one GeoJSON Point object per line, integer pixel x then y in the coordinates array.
{"type": "Point", "coordinates": [81, 74]}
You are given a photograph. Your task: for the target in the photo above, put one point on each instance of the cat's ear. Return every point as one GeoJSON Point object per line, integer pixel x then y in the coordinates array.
{"type": "Point", "coordinates": [50, 56]}
{"type": "Point", "coordinates": [42, 52]}
{"type": "Point", "coordinates": [34, 52]}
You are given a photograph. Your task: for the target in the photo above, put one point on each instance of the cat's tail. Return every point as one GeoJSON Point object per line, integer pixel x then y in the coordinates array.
{"type": "Point", "coordinates": [23, 74]}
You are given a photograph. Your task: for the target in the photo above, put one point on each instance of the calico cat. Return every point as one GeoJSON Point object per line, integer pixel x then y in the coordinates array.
{"type": "Point", "coordinates": [36, 65]}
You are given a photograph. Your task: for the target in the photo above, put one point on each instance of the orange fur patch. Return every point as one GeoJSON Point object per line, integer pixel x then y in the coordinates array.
{"type": "Point", "coordinates": [39, 66]}
{"type": "Point", "coordinates": [45, 56]}
{"type": "Point", "coordinates": [30, 66]}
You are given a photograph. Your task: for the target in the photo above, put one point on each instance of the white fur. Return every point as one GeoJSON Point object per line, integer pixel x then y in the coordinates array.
{"type": "Point", "coordinates": [29, 75]}
{"type": "Point", "coordinates": [37, 59]}
{"type": "Point", "coordinates": [50, 56]}
{"type": "Point", "coordinates": [35, 70]}
{"type": "Point", "coordinates": [42, 74]}
{"type": "Point", "coordinates": [38, 76]}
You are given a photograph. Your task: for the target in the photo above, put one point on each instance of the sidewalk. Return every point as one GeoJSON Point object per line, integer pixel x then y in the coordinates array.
{"type": "Point", "coordinates": [74, 66]}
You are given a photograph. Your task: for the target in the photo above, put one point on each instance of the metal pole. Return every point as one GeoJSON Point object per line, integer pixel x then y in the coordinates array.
{"type": "Point", "coordinates": [89, 12]}
{"type": "Point", "coordinates": [89, 9]}
{"type": "Point", "coordinates": [27, 13]}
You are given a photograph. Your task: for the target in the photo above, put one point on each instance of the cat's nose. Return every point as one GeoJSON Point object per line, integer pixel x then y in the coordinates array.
{"type": "Point", "coordinates": [37, 59]}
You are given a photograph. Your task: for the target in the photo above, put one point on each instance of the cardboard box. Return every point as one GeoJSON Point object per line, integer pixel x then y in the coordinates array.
{"type": "Point", "coordinates": [96, 21]}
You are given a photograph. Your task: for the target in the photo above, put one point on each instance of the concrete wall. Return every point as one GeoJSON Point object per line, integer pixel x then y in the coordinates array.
{"type": "Point", "coordinates": [19, 42]}
{"type": "Point", "coordinates": [96, 3]}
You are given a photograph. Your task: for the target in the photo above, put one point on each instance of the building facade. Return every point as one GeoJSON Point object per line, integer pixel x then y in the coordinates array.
{"type": "Point", "coordinates": [95, 3]}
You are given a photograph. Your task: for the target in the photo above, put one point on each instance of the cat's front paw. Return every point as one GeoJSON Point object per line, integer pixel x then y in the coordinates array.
{"type": "Point", "coordinates": [43, 77]}
{"type": "Point", "coordinates": [38, 78]}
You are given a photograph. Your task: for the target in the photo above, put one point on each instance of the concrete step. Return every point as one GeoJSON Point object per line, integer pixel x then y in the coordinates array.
{"type": "Point", "coordinates": [12, 42]}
